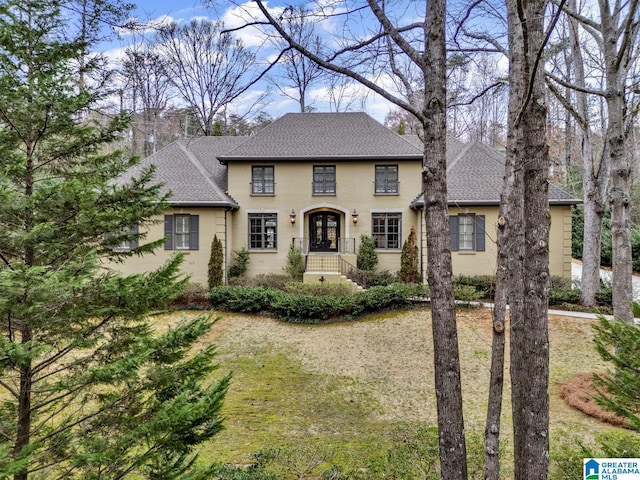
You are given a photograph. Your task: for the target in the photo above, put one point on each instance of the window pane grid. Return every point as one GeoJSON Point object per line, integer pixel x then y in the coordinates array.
{"type": "Point", "coordinates": [386, 179]}
{"type": "Point", "coordinates": [386, 230]}
{"type": "Point", "coordinates": [262, 180]}
{"type": "Point", "coordinates": [465, 232]}
{"type": "Point", "coordinates": [263, 231]}
{"type": "Point", "coordinates": [182, 232]}
{"type": "Point", "coordinates": [324, 179]}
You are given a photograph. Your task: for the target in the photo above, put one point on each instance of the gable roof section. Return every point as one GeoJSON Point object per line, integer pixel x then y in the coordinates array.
{"type": "Point", "coordinates": [324, 136]}
{"type": "Point", "coordinates": [474, 177]}
{"type": "Point", "coordinates": [189, 169]}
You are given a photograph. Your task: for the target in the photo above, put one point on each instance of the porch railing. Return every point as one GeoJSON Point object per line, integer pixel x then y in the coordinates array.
{"type": "Point", "coordinates": [345, 245]}
{"type": "Point", "coordinates": [353, 273]}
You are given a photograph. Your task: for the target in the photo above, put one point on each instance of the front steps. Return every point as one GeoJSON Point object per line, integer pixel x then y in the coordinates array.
{"type": "Point", "coordinates": [330, 277]}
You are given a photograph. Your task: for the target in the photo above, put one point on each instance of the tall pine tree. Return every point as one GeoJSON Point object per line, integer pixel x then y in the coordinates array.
{"type": "Point", "coordinates": [88, 388]}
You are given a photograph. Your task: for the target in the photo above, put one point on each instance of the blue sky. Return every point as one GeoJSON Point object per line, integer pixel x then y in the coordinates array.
{"type": "Point", "coordinates": [158, 10]}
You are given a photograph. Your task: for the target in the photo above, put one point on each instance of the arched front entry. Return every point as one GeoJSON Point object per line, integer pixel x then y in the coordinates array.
{"type": "Point", "coordinates": [324, 231]}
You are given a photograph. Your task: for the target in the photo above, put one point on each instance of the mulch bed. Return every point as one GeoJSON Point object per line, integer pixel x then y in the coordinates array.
{"type": "Point", "coordinates": [579, 392]}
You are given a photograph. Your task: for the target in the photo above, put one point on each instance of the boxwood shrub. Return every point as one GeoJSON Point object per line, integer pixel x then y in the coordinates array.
{"type": "Point", "coordinates": [304, 308]}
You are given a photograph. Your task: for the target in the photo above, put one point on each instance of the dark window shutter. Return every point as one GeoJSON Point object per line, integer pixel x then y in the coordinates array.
{"type": "Point", "coordinates": [168, 232]}
{"type": "Point", "coordinates": [194, 221]}
{"type": "Point", "coordinates": [480, 233]}
{"type": "Point", "coordinates": [135, 230]}
{"type": "Point", "coordinates": [453, 232]}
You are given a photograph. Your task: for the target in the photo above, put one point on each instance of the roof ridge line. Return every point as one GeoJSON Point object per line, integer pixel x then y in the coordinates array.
{"type": "Point", "coordinates": [457, 158]}
{"type": "Point", "coordinates": [196, 163]}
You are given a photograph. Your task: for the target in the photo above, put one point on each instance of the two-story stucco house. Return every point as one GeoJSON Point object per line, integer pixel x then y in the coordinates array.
{"type": "Point", "coordinates": [321, 180]}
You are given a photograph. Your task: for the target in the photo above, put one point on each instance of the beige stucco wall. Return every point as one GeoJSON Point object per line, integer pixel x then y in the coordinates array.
{"type": "Point", "coordinates": [211, 222]}
{"type": "Point", "coordinates": [355, 190]}
{"type": "Point", "coordinates": [483, 263]}
{"type": "Point", "coordinates": [294, 191]}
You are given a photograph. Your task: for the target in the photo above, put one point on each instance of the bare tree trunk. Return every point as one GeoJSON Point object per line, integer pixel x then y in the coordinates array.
{"type": "Point", "coordinates": [529, 230]}
{"type": "Point", "coordinates": [620, 222]}
{"type": "Point", "coordinates": [619, 196]}
{"type": "Point", "coordinates": [619, 41]}
{"type": "Point", "coordinates": [594, 186]}
{"type": "Point", "coordinates": [595, 177]}
{"type": "Point", "coordinates": [453, 457]}
{"type": "Point", "coordinates": [496, 382]}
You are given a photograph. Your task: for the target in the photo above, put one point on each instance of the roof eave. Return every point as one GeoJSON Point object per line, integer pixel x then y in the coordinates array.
{"type": "Point", "coordinates": [419, 205]}
{"type": "Point", "coordinates": [225, 160]}
{"type": "Point", "coordinates": [201, 203]}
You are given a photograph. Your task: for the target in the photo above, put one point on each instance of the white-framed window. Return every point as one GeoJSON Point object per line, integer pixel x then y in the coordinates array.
{"type": "Point", "coordinates": [263, 231]}
{"type": "Point", "coordinates": [386, 179]}
{"type": "Point", "coordinates": [386, 229]}
{"type": "Point", "coordinates": [467, 232]}
{"type": "Point", "coordinates": [263, 180]}
{"type": "Point", "coordinates": [324, 179]}
{"type": "Point", "coordinates": [181, 232]}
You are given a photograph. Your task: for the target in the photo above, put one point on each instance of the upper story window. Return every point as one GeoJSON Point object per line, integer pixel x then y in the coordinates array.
{"type": "Point", "coordinates": [262, 180]}
{"type": "Point", "coordinates": [181, 232]}
{"type": "Point", "coordinates": [386, 229]}
{"type": "Point", "coordinates": [324, 179]}
{"type": "Point", "coordinates": [263, 231]}
{"type": "Point", "coordinates": [386, 179]}
{"type": "Point", "coordinates": [467, 232]}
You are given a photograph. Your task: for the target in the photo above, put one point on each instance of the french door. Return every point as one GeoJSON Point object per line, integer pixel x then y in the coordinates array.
{"type": "Point", "coordinates": [324, 232]}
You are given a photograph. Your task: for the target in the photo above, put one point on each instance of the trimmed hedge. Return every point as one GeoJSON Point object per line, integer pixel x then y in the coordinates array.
{"type": "Point", "coordinates": [313, 309]}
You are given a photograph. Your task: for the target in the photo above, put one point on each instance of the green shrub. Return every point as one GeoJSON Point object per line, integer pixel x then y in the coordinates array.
{"type": "Point", "coordinates": [294, 267]}
{"type": "Point", "coordinates": [604, 296]}
{"type": "Point", "coordinates": [243, 299]}
{"type": "Point", "coordinates": [409, 260]}
{"type": "Point", "coordinates": [561, 291]}
{"type": "Point", "coordinates": [311, 309]}
{"type": "Point", "coordinates": [486, 284]}
{"type": "Point", "coordinates": [215, 273]}
{"type": "Point", "coordinates": [193, 297]}
{"type": "Point", "coordinates": [606, 249]}
{"type": "Point", "coordinates": [306, 308]}
{"type": "Point", "coordinates": [378, 278]}
{"type": "Point", "coordinates": [240, 262]}
{"type": "Point", "coordinates": [270, 280]}
{"type": "Point", "coordinates": [467, 293]}
{"type": "Point", "coordinates": [577, 231]}
{"type": "Point", "coordinates": [319, 288]}
{"type": "Point", "coordinates": [367, 258]}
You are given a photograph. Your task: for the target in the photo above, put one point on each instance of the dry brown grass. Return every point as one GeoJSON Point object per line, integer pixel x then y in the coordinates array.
{"type": "Point", "coordinates": [347, 383]}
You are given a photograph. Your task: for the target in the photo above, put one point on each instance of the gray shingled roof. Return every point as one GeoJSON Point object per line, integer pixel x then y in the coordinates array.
{"type": "Point", "coordinates": [189, 169]}
{"type": "Point", "coordinates": [313, 136]}
{"type": "Point", "coordinates": [474, 177]}
{"type": "Point", "coordinates": [192, 168]}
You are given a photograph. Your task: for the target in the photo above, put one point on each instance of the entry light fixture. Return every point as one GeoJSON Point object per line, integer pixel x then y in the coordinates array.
{"type": "Point", "coordinates": [354, 216]}
{"type": "Point", "coordinates": [292, 217]}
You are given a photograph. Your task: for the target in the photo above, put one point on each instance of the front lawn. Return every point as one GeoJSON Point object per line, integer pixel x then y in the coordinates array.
{"type": "Point", "coordinates": [342, 392]}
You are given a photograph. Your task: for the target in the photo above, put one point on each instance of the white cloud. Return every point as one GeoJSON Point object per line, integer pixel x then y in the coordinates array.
{"type": "Point", "coordinates": [243, 14]}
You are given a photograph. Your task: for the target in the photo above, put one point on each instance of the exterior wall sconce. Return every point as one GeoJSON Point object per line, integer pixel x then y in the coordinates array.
{"type": "Point", "coordinates": [354, 216]}
{"type": "Point", "coordinates": [292, 217]}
